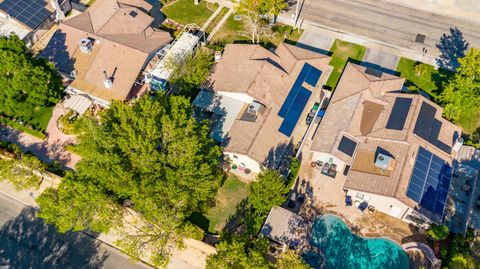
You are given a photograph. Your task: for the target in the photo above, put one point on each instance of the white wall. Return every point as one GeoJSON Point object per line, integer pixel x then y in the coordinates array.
{"type": "Point", "coordinates": [243, 97]}
{"type": "Point", "coordinates": [248, 162]}
{"type": "Point", "coordinates": [385, 204]}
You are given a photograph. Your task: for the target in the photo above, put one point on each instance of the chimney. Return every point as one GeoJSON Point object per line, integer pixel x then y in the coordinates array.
{"type": "Point", "coordinates": [108, 81]}
{"type": "Point", "coordinates": [59, 15]}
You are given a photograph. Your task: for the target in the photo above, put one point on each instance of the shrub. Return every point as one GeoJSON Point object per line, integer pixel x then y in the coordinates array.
{"type": "Point", "coordinates": [437, 232]}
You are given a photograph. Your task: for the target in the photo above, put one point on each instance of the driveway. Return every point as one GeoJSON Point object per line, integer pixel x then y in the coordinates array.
{"type": "Point", "coordinates": [316, 40]}
{"type": "Point", "coordinates": [387, 22]}
{"type": "Point", "coordinates": [377, 58]}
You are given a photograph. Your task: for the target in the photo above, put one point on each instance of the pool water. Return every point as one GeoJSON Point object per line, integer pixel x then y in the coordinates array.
{"type": "Point", "coordinates": [341, 249]}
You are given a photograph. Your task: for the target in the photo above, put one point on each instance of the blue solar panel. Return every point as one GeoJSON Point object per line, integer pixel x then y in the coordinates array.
{"type": "Point", "coordinates": [30, 12]}
{"type": "Point", "coordinates": [291, 119]}
{"type": "Point", "coordinates": [430, 182]}
{"type": "Point", "coordinates": [294, 91]}
{"type": "Point", "coordinates": [313, 76]}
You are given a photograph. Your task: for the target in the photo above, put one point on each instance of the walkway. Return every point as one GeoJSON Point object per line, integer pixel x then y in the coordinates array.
{"type": "Point", "coordinates": [436, 262]}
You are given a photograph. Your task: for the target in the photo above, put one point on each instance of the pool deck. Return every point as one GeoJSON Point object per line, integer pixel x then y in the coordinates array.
{"type": "Point", "coordinates": [327, 196]}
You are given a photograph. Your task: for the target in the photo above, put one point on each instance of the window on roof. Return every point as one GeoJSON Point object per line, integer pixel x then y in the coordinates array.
{"type": "Point", "coordinates": [347, 146]}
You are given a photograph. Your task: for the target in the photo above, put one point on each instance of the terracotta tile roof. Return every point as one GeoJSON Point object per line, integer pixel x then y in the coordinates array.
{"type": "Point", "coordinates": [123, 41]}
{"type": "Point", "coordinates": [267, 77]}
{"type": "Point", "coordinates": [347, 114]}
{"type": "Point", "coordinates": [127, 25]}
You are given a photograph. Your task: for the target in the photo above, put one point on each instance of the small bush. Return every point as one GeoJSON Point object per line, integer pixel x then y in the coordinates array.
{"type": "Point", "coordinates": [437, 232]}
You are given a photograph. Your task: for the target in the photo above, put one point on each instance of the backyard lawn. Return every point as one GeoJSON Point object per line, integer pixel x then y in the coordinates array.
{"type": "Point", "coordinates": [232, 192]}
{"type": "Point", "coordinates": [185, 12]}
{"type": "Point", "coordinates": [342, 51]}
{"type": "Point", "coordinates": [429, 80]}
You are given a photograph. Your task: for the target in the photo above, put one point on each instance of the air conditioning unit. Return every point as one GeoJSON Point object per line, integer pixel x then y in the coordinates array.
{"type": "Point", "coordinates": [85, 45]}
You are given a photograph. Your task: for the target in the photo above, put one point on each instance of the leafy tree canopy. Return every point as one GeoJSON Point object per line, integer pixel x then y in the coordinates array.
{"type": "Point", "coordinates": [235, 255]}
{"type": "Point", "coordinates": [26, 84]}
{"type": "Point", "coordinates": [462, 94]}
{"type": "Point", "coordinates": [438, 232]}
{"type": "Point", "coordinates": [78, 204]}
{"type": "Point", "coordinates": [291, 260]}
{"type": "Point", "coordinates": [151, 155]}
{"type": "Point", "coordinates": [192, 74]}
{"type": "Point", "coordinates": [24, 171]}
{"type": "Point", "coordinates": [267, 191]}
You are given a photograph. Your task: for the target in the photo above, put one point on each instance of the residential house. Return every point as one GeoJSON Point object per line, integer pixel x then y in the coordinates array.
{"type": "Point", "coordinates": [395, 148]}
{"type": "Point", "coordinates": [30, 19]}
{"type": "Point", "coordinates": [257, 99]}
{"type": "Point", "coordinates": [104, 50]}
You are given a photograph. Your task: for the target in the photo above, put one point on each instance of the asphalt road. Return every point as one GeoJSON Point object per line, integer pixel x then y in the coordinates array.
{"type": "Point", "coordinates": [27, 242]}
{"type": "Point", "coordinates": [383, 21]}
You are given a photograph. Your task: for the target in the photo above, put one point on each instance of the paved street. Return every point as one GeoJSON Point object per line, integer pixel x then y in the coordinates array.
{"type": "Point", "coordinates": [386, 22]}
{"type": "Point", "coordinates": [26, 242]}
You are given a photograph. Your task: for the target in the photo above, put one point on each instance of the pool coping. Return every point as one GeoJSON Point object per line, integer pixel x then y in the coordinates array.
{"type": "Point", "coordinates": [351, 225]}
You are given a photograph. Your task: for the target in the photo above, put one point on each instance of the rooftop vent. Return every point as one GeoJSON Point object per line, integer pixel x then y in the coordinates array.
{"type": "Point", "coordinates": [108, 83]}
{"type": "Point", "coordinates": [420, 38]}
{"type": "Point", "coordinates": [85, 45]}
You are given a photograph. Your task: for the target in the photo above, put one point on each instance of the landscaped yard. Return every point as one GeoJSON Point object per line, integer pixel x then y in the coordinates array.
{"type": "Point", "coordinates": [231, 30]}
{"type": "Point", "coordinates": [185, 12]}
{"type": "Point", "coordinates": [232, 192]}
{"type": "Point", "coordinates": [429, 80]}
{"type": "Point", "coordinates": [342, 51]}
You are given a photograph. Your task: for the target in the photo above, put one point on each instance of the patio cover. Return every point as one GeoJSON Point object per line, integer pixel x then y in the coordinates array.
{"type": "Point", "coordinates": [78, 103]}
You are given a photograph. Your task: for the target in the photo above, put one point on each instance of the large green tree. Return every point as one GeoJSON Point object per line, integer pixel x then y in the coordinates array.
{"type": "Point", "coordinates": [23, 171]}
{"type": "Point", "coordinates": [154, 157]}
{"type": "Point", "coordinates": [192, 73]}
{"type": "Point", "coordinates": [236, 255]}
{"type": "Point", "coordinates": [78, 204]}
{"type": "Point", "coordinates": [462, 94]}
{"type": "Point", "coordinates": [267, 191]}
{"type": "Point", "coordinates": [27, 84]}
{"type": "Point", "coordinates": [291, 260]}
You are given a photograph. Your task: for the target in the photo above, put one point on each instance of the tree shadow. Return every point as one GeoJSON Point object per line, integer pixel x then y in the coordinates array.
{"type": "Point", "coordinates": [56, 52]}
{"type": "Point", "coordinates": [279, 157]}
{"type": "Point", "coordinates": [452, 47]}
{"type": "Point", "coordinates": [27, 242]}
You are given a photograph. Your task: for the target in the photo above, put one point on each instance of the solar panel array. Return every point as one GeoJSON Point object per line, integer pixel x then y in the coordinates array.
{"type": "Point", "coordinates": [297, 98]}
{"type": "Point", "coordinates": [29, 12]}
{"type": "Point", "coordinates": [430, 182]}
{"type": "Point", "coordinates": [428, 127]}
{"type": "Point", "coordinates": [291, 119]}
{"type": "Point", "coordinates": [347, 146]}
{"type": "Point", "coordinates": [399, 113]}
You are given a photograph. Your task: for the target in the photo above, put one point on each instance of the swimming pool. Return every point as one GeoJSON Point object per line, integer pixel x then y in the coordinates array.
{"type": "Point", "coordinates": [341, 249]}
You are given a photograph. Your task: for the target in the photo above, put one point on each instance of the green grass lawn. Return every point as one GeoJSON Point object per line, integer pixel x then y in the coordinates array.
{"type": "Point", "coordinates": [185, 12]}
{"type": "Point", "coordinates": [430, 80]}
{"type": "Point", "coordinates": [232, 192]}
{"type": "Point", "coordinates": [342, 51]}
{"type": "Point", "coordinates": [230, 32]}
{"type": "Point", "coordinates": [216, 20]}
